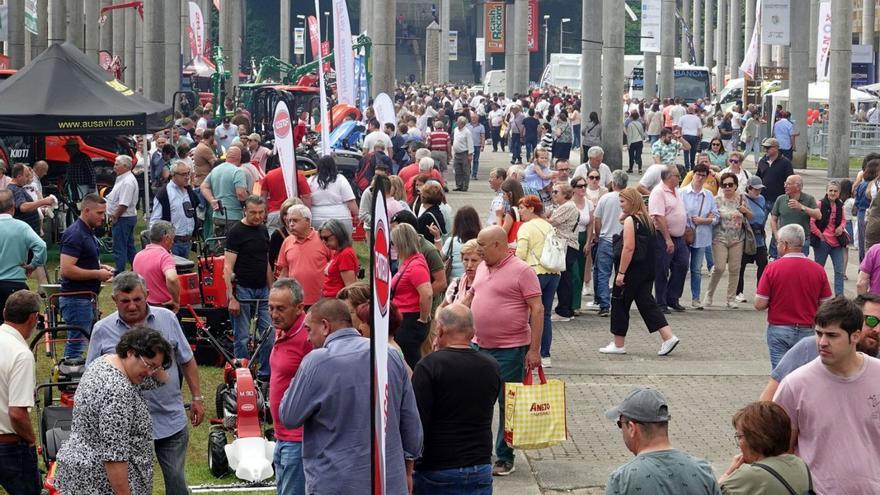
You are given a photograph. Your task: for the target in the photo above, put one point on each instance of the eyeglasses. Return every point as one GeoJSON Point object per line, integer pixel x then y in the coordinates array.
{"type": "Point", "coordinates": [182, 174]}
{"type": "Point", "coordinates": [701, 175]}
{"type": "Point", "coordinates": [563, 170]}
{"type": "Point", "coordinates": [593, 177]}
{"type": "Point", "coordinates": [580, 186]}
{"type": "Point", "coordinates": [733, 160]}
{"type": "Point", "coordinates": [716, 144]}
{"type": "Point", "coordinates": [872, 321]}
{"type": "Point", "coordinates": [737, 436]}
{"type": "Point", "coordinates": [152, 368]}
{"type": "Point", "coordinates": [728, 185]}
{"type": "Point", "coordinates": [326, 238]}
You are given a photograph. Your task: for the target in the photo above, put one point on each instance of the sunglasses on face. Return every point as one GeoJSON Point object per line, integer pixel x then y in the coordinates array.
{"type": "Point", "coordinates": [580, 186]}
{"type": "Point", "coordinates": [733, 161]}
{"type": "Point", "coordinates": [716, 144]}
{"type": "Point", "coordinates": [326, 238]}
{"type": "Point", "coordinates": [728, 185]}
{"type": "Point", "coordinates": [872, 321]}
{"type": "Point", "coordinates": [593, 177]}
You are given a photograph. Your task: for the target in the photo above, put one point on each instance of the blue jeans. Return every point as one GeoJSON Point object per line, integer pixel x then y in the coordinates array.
{"type": "Point", "coordinates": [77, 312]}
{"type": "Point", "coordinates": [241, 325]}
{"type": "Point", "coordinates": [530, 148]}
{"type": "Point", "coordinates": [576, 134]}
{"type": "Point", "coordinates": [289, 476]}
{"type": "Point", "coordinates": [18, 469]}
{"type": "Point", "coordinates": [512, 366]}
{"type": "Point", "coordinates": [697, 255]}
{"type": "Point", "coordinates": [515, 147]}
{"type": "Point", "coordinates": [710, 258]}
{"type": "Point", "coordinates": [549, 283]}
{"type": "Point", "coordinates": [670, 271]}
{"type": "Point", "coordinates": [123, 242]}
{"type": "Point", "coordinates": [603, 262]}
{"type": "Point", "coordinates": [475, 163]}
{"type": "Point", "coordinates": [781, 338]}
{"type": "Point", "coordinates": [471, 480]}
{"type": "Point", "coordinates": [821, 253]}
{"type": "Point", "coordinates": [181, 249]}
{"type": "Point", "coordinates": [171, 454]}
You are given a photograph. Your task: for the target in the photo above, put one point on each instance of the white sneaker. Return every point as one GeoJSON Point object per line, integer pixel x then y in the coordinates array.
{"type": "Point", "coordinates": [741, 298]}
{"type": "Point", "coordinates": [696, 304]}
{"type": "Point", "coordinates": [612, 349]}
{"type": "Point", "coordinates": [732, 305]}
{"type": "Point", "coordinates": [545, 362]}
{"type": "Point", "coordinates": [586, 291]}
{"type": "Point", "coordinates": [592, 306]}
{"type": "Point", "coordinates": [667, 347]}
{"type": "Point", "coordinates": [707, 301]}
{"type": "Point", "coordinates": [556, 317]}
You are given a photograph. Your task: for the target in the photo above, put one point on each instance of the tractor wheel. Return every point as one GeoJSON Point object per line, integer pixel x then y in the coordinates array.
{"type": "Point", "coordinates": [217, 461]}
{"type": "Point", "coordinates": [219, 399]}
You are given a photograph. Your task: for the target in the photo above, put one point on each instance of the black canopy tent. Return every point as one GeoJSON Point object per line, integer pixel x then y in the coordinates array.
{"type": "Point", "coordinates": [64, 92]}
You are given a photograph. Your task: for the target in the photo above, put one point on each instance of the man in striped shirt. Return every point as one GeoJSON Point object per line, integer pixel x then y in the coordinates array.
{"type": "Point", "coordinates": [440, 145]}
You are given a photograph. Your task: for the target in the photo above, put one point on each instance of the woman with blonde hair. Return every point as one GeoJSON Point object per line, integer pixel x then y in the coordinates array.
{"type": "Point", "coordinates": [471, 257]}
{"type": "Point", "coordinates": [411, 292]}
{"type": "Point", "coordinates": [634, 252]}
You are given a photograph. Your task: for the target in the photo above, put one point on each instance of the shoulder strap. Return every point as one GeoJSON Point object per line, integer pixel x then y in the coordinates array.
{"type": "Point", "coordinates": [779, 477]}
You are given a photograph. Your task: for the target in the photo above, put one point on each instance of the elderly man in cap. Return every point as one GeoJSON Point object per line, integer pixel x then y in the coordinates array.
{"type": "Point", "coordinates": [259, 153]}
{"type": "Point", "coordinates": [80, 173]}
{"type": "Point", "coordinates": [658, 468]}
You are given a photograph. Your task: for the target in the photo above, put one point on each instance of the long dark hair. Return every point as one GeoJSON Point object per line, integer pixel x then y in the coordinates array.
{"type": "Point", "coordinates": [466, 224]}
{"type": "Point", "coordinates": [594, 117]}
{"type": "Point", "coordinates": [326, 171]}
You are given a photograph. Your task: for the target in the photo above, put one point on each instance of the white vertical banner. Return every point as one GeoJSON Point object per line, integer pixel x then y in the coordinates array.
{"type": "Point", "coordinates": [650, 33]}
{"type": "Point", "coordinates": [299, 41]}
{"type": "Point", "coordinates": [196, 30]}
{"type": "Point", "coordinates": [31, 16]}
{"type": "Point", "coordinates": [282, 127]}
{"type": "Point", "coordinates": [776, 25]}
{"type": "Point", "coordinates": [325, 114]}
{"type": "Point", "coordinates": [381, 291]}
{"type": "Point", "coordinates": [453, 45]}
{"type": "Point", "coordinates": [343, 58]}
{"type": "Point", "coordinates": [823, 44]}
{"type": "Point", "coordinates": [754, 51]}
{"type": "Point", "coordinates": [481, 50]}
{"type": "Point", "coordinates": [4, 19]}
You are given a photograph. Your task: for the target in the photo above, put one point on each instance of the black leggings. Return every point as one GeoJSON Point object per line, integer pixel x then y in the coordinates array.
{"type": "Point", "coordinates": [635, 155]}
{"type": "Point", "coordinates": [759, 258]}
{"type": "Point", "coordinates": [496, 139]}
{"type": "Point", "coordinates": [622, 299]}
{"type": "Point", "coordinates": [410, 336]}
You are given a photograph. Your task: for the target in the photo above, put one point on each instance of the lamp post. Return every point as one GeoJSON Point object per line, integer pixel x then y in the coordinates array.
{"type": "Point", "coordinates": [302, 22]}
{"type": "Point", "coordinates": [327, 26]}
{"type": "Point", "coordinates": [546, 21]}
{"type": "Point", "coordinates": [561, 22]}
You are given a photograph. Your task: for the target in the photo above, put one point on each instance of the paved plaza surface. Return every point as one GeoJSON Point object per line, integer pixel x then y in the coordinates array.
{"type": "Point", "coordinates": [720, 365]}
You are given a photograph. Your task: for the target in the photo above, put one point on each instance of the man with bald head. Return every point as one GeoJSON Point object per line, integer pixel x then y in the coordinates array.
{"type": "Point", "coordinates": [795, 206]}
{"type": "Point", "coordinates": [456, 389]}
{"type": "Point", "coordinates": [225, 189]}
{"type": "Point", "coordinates": [506, 285]}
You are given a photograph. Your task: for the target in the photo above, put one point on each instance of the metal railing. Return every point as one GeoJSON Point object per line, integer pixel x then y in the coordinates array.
{"type": "Point", "coordinates": [864, 138]}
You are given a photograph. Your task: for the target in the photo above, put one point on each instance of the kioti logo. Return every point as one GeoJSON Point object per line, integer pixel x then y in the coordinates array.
{"type": "Point", "coordinates": [382, 268]}
{"type": "Point", "coordinates": [282, 125]}
{"type": "Point", "coordinates": [540, 408]}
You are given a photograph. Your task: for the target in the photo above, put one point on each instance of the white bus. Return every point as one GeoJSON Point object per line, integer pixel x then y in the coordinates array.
{"type": "Point", "coordinates": [691, 83]}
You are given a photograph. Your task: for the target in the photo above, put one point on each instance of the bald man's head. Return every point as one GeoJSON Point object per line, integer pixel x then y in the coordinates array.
{"type": "Point", "coordinates": [233, 155]}
{"type": "Point", "coordinates": [493, 244]}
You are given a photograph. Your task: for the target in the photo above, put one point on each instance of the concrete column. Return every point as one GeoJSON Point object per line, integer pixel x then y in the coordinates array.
{"type": "Point", "coordinates": [697, 28]}
{"type": "Point", "coordinates": [591, 57]}
{"type": "Point", "coordinates": [138, 50]}
{"type": "Point", "coordinates": [521, 46]}
{"type": "Point", "coordinates": [708, 34]}
{"type": "Point", "coordinates": [118, 20]}
{"type": "Point", "coordinates": [869, 9]}
{"type": "Point", "coordinates": [58, 21]}
{"type": "Point", "coordinates": [432, 52]}
{"type": "Point", "coordinates": [172, 48]}
{"type": "Point", "coordinates": [237, 31]}
{"type": "Point", "coordinates": [721, 43]}
{"type": "Point", "coordinates": [128, 58]}
{"type": "Point", "coordinates": [667, 48]}
{"type": "Point", "coordinates": [40, 41]}
{"type": "Point", "coordinates": [612, 75]}
{"type": "Point", "coordinates": [509, 67]}
{"type": "Point", "coordinates": [384, 43]}
{"type": "Point", "coordinates": [75, 22]}
{"type": "Point", "coordinates": [92, 31]}
{"type": "Point", "coordinates": [443, 47]}
{"type": "Point", "coordinates": [650, 73]}
{"type": "Point", "coordinates": [367, 18]}
{"type": "Point", "coordinates": [814, 34]}
{"type": "Point", "coordinates": [766, 55]}
{"type": "Point", "coordinates": [686, 15]}
{"type": "Point", "coordinates": [800, 15]}
{"type": "Point", "coordinates": [841, 76]}
{"type": "Point", "coordinates": [750, 24]}
{"type": "Point", "coordinates": [15, 43]}
{"type": "Point", "coordinates": [105, 37]}
{"type": "Point", "coordinates": [284, 42]}
{"type": "Point", "coordinates": [735, 41]}
{"type": "Point", "coordinates": [154, 50]}
{"type": "Point", "coordinates": [224, 38]}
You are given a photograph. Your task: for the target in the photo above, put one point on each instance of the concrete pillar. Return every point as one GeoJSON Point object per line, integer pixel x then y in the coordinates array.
{"type": "Point", "coordinates": [105, 37]}
{"type": "Point", "coordinates": [509, 67]}
{"type": "Point", "coordinates": [284, 42]}
{"type": "Point", "coordinates": [138, 51]}
{"type": "Point", "coordinates": [384, 43]}
{"type": "Point", "coordinates": [686, 15]}
{"type": "Point", "coordinates": [708, 34]}
{"type": "Point", "coordinates": [650, 73]}
{"type": "Point", "coordinates": [75, 22]}
{"type": "Point", "coordinates": [238, 31]}
{"type": "Point", "coordinates": [800, 15]}
{"type": "Point", "coordinates": [721, 43]}
{"type": "Point", "coordinates": [128, 58]}
{"type": "Point", "coordinates": [766, 55]}
{"type": "Point", "coordinates": [172, 19]}
{"type": "Point", "coordinates": [667, 48]}
{"type": "Point", "coordinates": [432, 53]}
{"type": "Point", "coordinates": [750, 24]}
{"type": "Point", "coordinates": [154, 50]}
{"type": "Point", "coordinates": [58, 21]}
{"type": "Point", "coordinates": [814, 35]}
{"type": "Point", "coordinates": [40, 41]}
{"type": "Point", "coordinates": [735, 40]}
{"type": "Point", "coordinates": [591, 57]}
{"type": "Point", "coordinates": [118, 20]}
{"type": "Point", "coordinates": [15, 43]}
{"type": "Point", "coordinates": [612, 75]}
{"type": "Point", "coordinates": [92, 31]}
{"type": "Point", "coordinates": [367, 18]}
{"type": "Point", "coordinates": [443, 53]}
{"type": "Point", "coordinates": [224, 38]}
{"type": "Point", "coordinates": [697, 28]}
{"type": "Point", "coordinates": [521, 46]}
{"type": "Point", "coordinates": [841, 76]}
{"type": "Point", "coordinates": [869, 9]}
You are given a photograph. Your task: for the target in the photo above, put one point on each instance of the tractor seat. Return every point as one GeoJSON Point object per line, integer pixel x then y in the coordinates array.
{"type": "Point", "coordinates": [71, 369]}
{"type": "Point", "coordinates": [55, 428]}
{"type": "Point", "coordinates": [184, 265]}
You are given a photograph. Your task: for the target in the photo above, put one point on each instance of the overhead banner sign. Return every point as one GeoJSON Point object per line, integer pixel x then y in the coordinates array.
{"type": "Point", "coordinates": [30, 16]}
{"type": "Point", "coordinates": [754, 50]}
{"type": "Point", "coordinates": [823, 44]}
{"type": "Point", "coordinates": [299, 41]}
{"type": "Point", "coordinates": [380, 262]}
{"type": "Point", "coordinates": [453, 45]}
{"type": "Point", "coordinates": [196, 30]}
{"type": "Point", "coordinates": [494, 27]}
{"type": "Point", "coordinates": [481, 50]}
{"type": "Point", "coordinates": [343, 58]}
{"type": "Point", "coordinates": [776, 25]}
{"type": "Point", "coordinates": [650, 34]}
{"type": "Point", "coordinates": [532, 39]}
{"type": "Point", "coordinates": [4, 18]}
{"type": "Point", "coordinates": [282, 127]}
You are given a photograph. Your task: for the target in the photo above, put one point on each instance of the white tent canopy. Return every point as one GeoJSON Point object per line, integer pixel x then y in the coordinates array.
{"type": "Point", "coordinates": [820, 92]}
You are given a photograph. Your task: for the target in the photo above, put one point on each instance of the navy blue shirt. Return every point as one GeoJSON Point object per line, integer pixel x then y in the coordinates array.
{"type": "Point", "coordinates": [21, 196]}
{"type": "Point", "coordinates": [531, 126]}
{"type": "Point", "coordinates": [79, 241]}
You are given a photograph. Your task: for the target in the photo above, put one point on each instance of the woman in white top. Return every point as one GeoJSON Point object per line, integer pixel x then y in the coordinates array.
{"type": "Point", "coordinates": [709, 131]}
{"type": "Point", "coordinates": [583, 266]}
{"type": "Point", "coordinates": [655, 123]}
{"type": "Point", "coordinates": [465, 227]}
{"type": "Point", "coordinates": [735, 166]}
{"type": "Point", "coordinates": [332, 196]}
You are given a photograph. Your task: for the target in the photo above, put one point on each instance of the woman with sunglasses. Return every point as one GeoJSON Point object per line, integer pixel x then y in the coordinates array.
{"type": "Point", "coordinates": [566, 217]}
{"type": "Point", "coordinates": [343, 266]}
{"type": "Point", "coordinates": [708, 133]}
{"type": "Point", "coordinates": [110, 449]}
{"type": "Point", "coordinates": [756, 202]}
{"type": "Point", "coordinates": [828, 236]}
{"type": "Point", "coordinates": [725, 131]}
{"type": "Point", "coordinates": [583, 267]}
{"type": "Point", "coordinates": [717, 155]}
{"type": "Point", "coordinates": [728, 238]}
{"type": "Point", "coordinates": [735, 166]}
{"type": "Point", "coordinates": [411, 292]}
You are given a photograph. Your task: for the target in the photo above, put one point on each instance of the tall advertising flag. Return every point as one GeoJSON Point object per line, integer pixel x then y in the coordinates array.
{"type": "Point", "coordinates": [751, 59]}
{"type": "Point", "coordinates": [532, 38]}
{"type": "Point", "coordinates": [314, 37]}
{"type": "Point", "coordinates": [342, 54]}
{"type": "Point", "coordinates": [381, 289]}
{"type": "Point", "coordinates": [325, 114]}
{"type": "Point", "coordinates": [283, 129]}
{"type": "Point", "coordinates": [494, 27]}
{"type": "Point", "coordinates": [196, 30]}
{"type": "Point", "coordinates": [823, 44]}
{"type": "Point", "coordinates": [31, 16]}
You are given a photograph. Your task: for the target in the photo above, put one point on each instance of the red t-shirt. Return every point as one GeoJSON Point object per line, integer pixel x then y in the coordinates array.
{"type": "Point", "coordinates": [438, 141]}
{"type": "Point", "coordinates": [412, 273]}
{"type": "Point", "coordinates": [276, 191]}
{"type": "Point", "coordinates": [795, 286]}
{"type": "Point", "coordinates": [408, 172]}
{"type": "Point", "coordinates": [435, 174]}
{"type": "Point", "coordinates": [291, 346]}
{"type": "Point", "coordinates": [342, 261]}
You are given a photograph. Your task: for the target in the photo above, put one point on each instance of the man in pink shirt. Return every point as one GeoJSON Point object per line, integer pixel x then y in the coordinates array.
{"type": "Point", "coordinates": [834, 404]}
{"type": "Point", "coordinates": [667, 209]}
{"type": "Point", "coordinates": [156, 264]}
{"type": "Point", "coordinates": [506, 285]}
{"type": "Point", "coordinates": [303, 255]}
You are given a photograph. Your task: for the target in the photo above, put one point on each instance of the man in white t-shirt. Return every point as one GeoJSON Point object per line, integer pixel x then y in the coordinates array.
{"type": "Point", "coordinates": [834, 404]}
{"type": "Point", "coordinates": [651, 178]}
{"type": "Point", "coordinates": [594, 162]}
{"type": "Point", "coordinates": [606, 224]}
{"type": "Point", "coordinates": [691, 132]}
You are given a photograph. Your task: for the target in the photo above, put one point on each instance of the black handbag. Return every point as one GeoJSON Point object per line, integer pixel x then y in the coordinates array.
{"type": "Point", "coordinates": [643, 242]}
{"type": "Point", "coordinates": [788, 487]}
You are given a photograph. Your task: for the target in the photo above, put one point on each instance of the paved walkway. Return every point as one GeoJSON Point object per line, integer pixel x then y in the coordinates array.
{"type": "Point", "coordinates": [720, 365]}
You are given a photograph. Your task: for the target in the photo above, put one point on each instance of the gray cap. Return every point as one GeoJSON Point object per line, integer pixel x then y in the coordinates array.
{"type": "Point", "coordinates": [645, 405]}
{"type": "Point", "coordinates": [755, 182]}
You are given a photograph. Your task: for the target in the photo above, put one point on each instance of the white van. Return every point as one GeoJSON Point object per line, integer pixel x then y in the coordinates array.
{"type": "Point", "coordinates": [495, 82]}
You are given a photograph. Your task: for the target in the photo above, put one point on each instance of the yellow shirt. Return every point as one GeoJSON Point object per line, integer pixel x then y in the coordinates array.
{"type": "Point", "coordinates": [711, 182]}
{"type": "Point", "coordinates": [530, 244]}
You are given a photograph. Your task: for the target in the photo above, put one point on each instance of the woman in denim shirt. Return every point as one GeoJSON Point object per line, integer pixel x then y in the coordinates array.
{"type": "Point", "coordinates": [756, 203]}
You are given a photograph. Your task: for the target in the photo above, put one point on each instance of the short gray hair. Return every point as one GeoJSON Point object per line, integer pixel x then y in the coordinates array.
{"type": "Point", "coordinates": [791, 234]}
{"type": "Point", "coordinates": [159, 230]}
{"type": "Point", "coordinates": [303, 211]}
{"type": "Point", "coordinates": [422, 153]}
{"type": "Point", "coordinates": [291, 284]}
{"type": "Point", "coordinates": [124, 160]}
{"type": "Point", "coordinates": [595, 151]}
{"type": "Point", "coordinates": [426, 164]}
{"type": "Point", "coordinates": [452, 320]}
{"type": "Point", "coordinates": [127, 282]}
{"type": "Point", "coordinates": [176, 165]}
{"type": "Point", "coordinates": [253, 199]}
{"type": "Point", "coordinates": [668, 171]}
{"type": "Point", "coordinates": [619, 179]}
{"type": "Point", "coordinates": [338, 230]}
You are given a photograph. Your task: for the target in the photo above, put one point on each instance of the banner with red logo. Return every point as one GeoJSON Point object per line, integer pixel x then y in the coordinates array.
{"type": "Point", "coordinates": [325, 112]}
{"type": "Point", "coordinates": [314, 37]}
{"type": "Point", "coordinates": [325, 50]}
{"type": "Point", "coordinates": [533, 26]}
{"type": "Point", "coordinates": [282, 126]}
{"type": "Point", "coordinates": [196, 30]}
{"type": "Point", "coordinates": [494, 27]}
{"type": "Point", "coordinates": [380, 262]}
{"type": "Point", "coordinates": [344, 57]}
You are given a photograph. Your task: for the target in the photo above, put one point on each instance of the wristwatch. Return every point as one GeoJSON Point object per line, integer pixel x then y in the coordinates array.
{"type": "Point", "coordinates": [198, 398]}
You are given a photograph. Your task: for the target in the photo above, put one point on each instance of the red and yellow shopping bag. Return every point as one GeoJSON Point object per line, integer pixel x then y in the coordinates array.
{"type": "Point", "coordinates": [534, 415]}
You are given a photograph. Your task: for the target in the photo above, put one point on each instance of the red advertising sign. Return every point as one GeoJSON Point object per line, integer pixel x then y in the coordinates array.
{"type": "Point", "coordinates": [494, 27]}
{"type": "Point", "coordinates": [533, 25]}
{"type": "Point", "coordinates": [325, 50]}
{"type": "Point", "coordinates": [313, 35]}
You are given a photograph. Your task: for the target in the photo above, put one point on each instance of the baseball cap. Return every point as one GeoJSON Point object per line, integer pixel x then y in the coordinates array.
{"type": "Point", "coordinates": [755, 182]}
{"type": "Point", "coordinates": [645, 405]}
{"type": "Point", "coordinates": [770, 143]}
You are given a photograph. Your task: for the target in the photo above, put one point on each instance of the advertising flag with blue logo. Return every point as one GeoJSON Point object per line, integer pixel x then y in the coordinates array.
{"type": "Point", "coordinates": [360, 77]}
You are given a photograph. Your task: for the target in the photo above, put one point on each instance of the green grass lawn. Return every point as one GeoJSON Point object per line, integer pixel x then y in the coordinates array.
{"type": "Point", "coordinates": [814, 162]}
{"type": "Point", "coordinates": [210, 377]}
